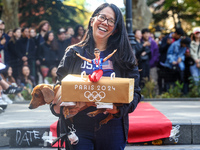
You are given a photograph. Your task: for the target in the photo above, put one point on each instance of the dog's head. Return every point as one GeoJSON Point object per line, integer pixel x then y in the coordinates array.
{"type": "Point", "coordinates": [41, 94]}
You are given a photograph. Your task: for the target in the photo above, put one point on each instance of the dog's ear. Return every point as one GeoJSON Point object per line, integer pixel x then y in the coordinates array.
{"type": "Point", "coordinates": [48, 94]}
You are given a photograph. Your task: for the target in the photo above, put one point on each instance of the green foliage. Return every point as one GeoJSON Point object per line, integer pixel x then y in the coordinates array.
{"type": "Point", "coordinates": [194, 88]}
{"type": "Point", "coordinates": [187, 10]}
{"type": "Point", "coordinates": [57, 13]}
{"type": "Point", "coordinates": [26, 94]}
{"type": "Point", "coordinates": [174, 91]}
{"type": "Point", "coordinates": [149, 88]}
{"type": "Point", "coordinates": [11, 96]}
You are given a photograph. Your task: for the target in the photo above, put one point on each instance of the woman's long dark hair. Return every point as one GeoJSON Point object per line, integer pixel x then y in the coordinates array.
{"type": "Point", "coordinates": [124, 55]}
{"type": "Point", "coordinates": [54, 44]}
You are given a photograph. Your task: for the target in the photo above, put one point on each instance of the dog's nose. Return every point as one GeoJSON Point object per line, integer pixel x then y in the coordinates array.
{"type": "Point", "coordinates": [30, 107]}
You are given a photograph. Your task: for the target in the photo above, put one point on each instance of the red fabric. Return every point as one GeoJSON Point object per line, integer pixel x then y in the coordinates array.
{"type": "Point", "coordinates": [147, 123]}
{"type": "Point", "coordinates": [96, 75]}
{"type": "Point", "coordinates": [53, 129]}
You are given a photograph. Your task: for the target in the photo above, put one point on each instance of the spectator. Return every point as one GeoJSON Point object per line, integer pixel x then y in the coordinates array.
{"type": "Point", "coordinates": [10, 33]}
{"type": "Point", "coordinates": [48, 53]}
{"type": "Point", "coordinates": [25, 80]}
{"type": "Point", "coordinates": [52, 76]}
{"type": "Point", "coordinates": [42, 29]}
{"type": "Point", "coordinates": [7, 76]}
{"type": "Point", "coordinates": [33, 34]}
{"type": "Point", "coordinates": [145, 56]}
{"type": "Point", "coordinates": [27, 51]}
{"type": "Point", "coordinates": [14, 53]}
{"type": "Point", "coordinates": [4, 39]}
{"type": "Point", "coordinates": [163, 76]}
{"type": "Point", "coordinates": [62, 43]}
{"type": "Point", "coordinates": [176, 57]}
{"type": "Point", "coordinates": [141, 51]}
{"type": "Point", "coordinates": [195, 54]}
{"type": "Point", "coordinates": [78, 34]}
{"type": "Point", "coordinates": [69, 32]}
{"type": "Point", "coordinates": [147, 36]}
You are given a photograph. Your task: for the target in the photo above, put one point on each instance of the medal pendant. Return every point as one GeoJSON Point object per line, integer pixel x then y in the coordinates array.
{"type": "Point", "coordinates": [97, 65]}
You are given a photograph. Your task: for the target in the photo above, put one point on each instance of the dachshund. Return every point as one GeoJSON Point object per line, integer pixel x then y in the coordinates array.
{"type": "Point", "coordinates": [45, 94]}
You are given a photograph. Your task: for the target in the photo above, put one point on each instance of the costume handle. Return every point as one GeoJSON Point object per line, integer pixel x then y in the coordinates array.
{"type": "Point", "coordinates": [112, 76]}
{"type": "Point", "coordinates": [83, 74]}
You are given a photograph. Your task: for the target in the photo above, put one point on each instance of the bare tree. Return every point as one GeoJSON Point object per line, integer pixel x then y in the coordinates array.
{"type": "Point", "coordinates": [10, 13]}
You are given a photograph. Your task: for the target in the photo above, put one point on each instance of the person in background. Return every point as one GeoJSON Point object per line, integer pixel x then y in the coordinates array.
{"type": "Point", "coordinates": [107, 32]}
{"type": "Point", "coordinates": [4, 39]}
{"type": "Point", "coordinates": [141, 51]}
{"type": "Point", "coordinates": [48, 53]}
{"type": "Point", "coordinates": [10, 33]}
{"type": "Point", "coordinates": [69, 32]}
{"type": "Point", "coordinates": [27, 51]}
{"type": "Point", "coordinates": [154, 57]}
{"type": "Point", "coordinates": [14, 53]}
{"type": "Point", "coordinates": [6, 89]}
{"type": "Point", "coordinates": [7, 76]}
{"type": "Point", "coordinates": [163, 73]}
{"type": "Point", "coordinates": [25, 80]}
{"type": "Point", "coordinates": [62, 43]}
{"type": "Point", "coordinates": [33, 34]}
{"type": "Point", "coordinates": [145, 57]}
{"type": "Point", "coordinates": [78, 34]}
{"type": "Point", "coordinates": [195, 54]}
{"type": "Point", "coordinates": [41, 29]}
{"type": "Point", "coordinates": [176, 57]}
{"type": "Point", "coordinates": [51, 78]}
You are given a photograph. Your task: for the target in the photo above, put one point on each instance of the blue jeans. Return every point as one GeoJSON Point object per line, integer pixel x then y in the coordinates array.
{"type": "Point", "coordinates": [195, 72]}
{"type": "Point", "coordinates": [108, 137]}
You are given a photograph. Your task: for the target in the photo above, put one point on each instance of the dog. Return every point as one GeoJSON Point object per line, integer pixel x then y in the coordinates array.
{"type": "Point", "coordinates": [45, 94]}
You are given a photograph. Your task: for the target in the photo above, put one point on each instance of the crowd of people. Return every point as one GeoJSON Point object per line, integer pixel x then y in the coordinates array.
{"type": "Point", "coordinates": [168, 58]}
{"type": "Point", "coordinates": [32, 55]}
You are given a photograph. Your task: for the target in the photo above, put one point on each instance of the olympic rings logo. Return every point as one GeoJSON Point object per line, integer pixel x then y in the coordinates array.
{"type": "Point", "coordinates": [94, 95]}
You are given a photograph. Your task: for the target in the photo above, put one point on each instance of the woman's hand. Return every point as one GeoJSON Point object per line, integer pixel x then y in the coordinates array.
{"type": "Point", "coordinates": [115, 110]}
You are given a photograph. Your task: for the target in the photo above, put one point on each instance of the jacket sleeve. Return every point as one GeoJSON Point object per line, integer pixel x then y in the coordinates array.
{"type": "Point", "coordinates": [128, 108]}
{"type": "Point", "coordinates": [64, 65]}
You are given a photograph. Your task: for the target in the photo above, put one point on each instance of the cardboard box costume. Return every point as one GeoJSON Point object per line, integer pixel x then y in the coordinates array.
{"type": "Point", "coordinates": [78, 88]}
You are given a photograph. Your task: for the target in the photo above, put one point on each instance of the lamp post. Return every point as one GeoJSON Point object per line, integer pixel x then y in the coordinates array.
{"type": "Point", "coordinates": [129, 21]}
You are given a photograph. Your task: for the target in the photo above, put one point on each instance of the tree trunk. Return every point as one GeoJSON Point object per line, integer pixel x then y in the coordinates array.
{"type": "Point", "coordinates": [141, 14]}
{"type": "Point", "coordinates": [10, 14]}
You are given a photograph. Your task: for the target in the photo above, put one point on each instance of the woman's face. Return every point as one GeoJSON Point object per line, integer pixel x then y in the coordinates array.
{"type": "Point", "coordinates": [138, 34]}
{"type": "Point", "coordinates": [17, 33]}
{"type": "Point", "coordinates": [25, 71]}
{"type": "Point", "coordinates": [101, 30]}
{"type": "Point", "coordinates": [53, 72]}
{"type": "Point", "coordinates": [45, 27]}
{"type": "Point", "coordinates": [80, 31]}
{"type": "Point", "coordinates": [9, 71]}
{"type": "Point", "coordinates": [32, 33]}
{"type": "Point", "coordinates": [51, 37]}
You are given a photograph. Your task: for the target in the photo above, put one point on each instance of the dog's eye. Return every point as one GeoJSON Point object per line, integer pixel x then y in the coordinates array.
{"type": "Point", "coordinates": [36, 95]}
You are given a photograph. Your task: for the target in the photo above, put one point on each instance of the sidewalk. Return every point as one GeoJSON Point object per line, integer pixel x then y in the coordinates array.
{"type": "Point", "coordinates": [22, 127]}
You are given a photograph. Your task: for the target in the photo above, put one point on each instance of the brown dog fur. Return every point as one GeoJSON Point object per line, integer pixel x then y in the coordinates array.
{"type": "Point", "coordinates": [45, 94]}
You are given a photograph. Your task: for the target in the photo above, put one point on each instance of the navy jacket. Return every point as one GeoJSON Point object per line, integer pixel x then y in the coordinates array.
{"type": "Point", "coordinates": [71, 64]}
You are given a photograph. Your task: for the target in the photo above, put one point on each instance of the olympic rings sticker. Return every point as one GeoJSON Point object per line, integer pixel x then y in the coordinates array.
{"type": "Point", "coordinates": [94, 95]}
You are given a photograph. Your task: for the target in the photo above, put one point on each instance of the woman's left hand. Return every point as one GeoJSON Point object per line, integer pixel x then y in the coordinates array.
{"type": "Point", "coordinates": [112, 111]}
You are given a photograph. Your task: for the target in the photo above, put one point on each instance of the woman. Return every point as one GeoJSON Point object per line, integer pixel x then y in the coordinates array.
{"type": "Point", "coordinates": [106, 31]}
{"type": "Point", "coordinates": [195, 54]}
{"type": "Point", "coordinates": [78, 35]}
{"type": "Point", "coordinates": [52, 76]}
{"type": "Point", "coordinates": [14, 53]}
{"type": "Point", "coordinates": [48, 53]}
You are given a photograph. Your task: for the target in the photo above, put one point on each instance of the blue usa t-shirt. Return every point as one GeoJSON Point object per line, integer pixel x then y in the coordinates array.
{"type": "Point", "coordinates": [107, 66]}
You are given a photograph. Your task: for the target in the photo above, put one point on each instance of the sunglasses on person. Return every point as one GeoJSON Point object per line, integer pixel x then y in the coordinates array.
{"type": "Point", "coordinates": [102, 18]}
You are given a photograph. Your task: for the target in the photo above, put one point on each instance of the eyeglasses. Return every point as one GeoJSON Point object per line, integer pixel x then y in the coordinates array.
{"type": "Point", "coordinates": [102, 18]}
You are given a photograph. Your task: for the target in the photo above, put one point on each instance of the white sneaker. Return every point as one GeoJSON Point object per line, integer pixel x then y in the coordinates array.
{"type": "Point", "coordinates": [3, 104]}
{"type": "Point", "coordinates": [19, 98]}
{"type": "Point", "coordinates": [6, 99]}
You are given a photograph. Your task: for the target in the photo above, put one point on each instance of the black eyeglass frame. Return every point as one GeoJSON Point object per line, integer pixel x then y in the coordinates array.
{"type": "Point", "coordinates": [105, 18]}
